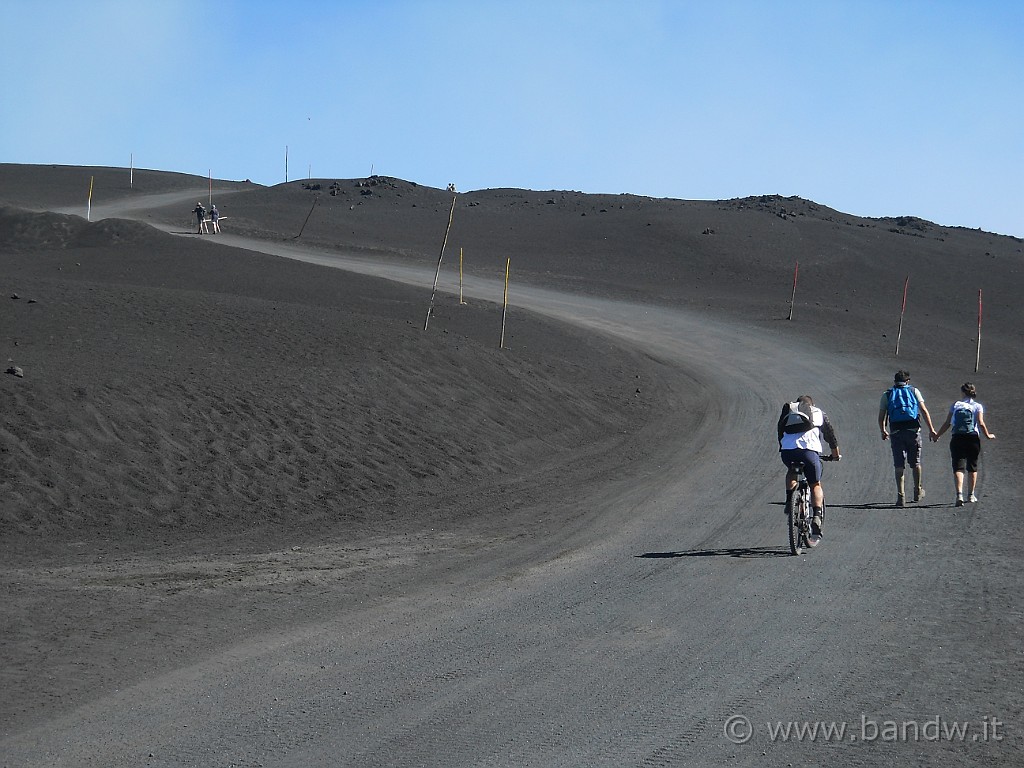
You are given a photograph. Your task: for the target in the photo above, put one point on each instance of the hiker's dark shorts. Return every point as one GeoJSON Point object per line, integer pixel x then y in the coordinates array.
{"type": "Point", "coordinates": [965, 451]}
{"type": "Point", "coordinates": [810, 459]}
{"type": "Point", "coordinates": [906, 448]}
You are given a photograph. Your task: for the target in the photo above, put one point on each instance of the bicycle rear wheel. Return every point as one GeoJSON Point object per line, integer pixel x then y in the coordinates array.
{"type": "Point", "coordinates": [797, 514]}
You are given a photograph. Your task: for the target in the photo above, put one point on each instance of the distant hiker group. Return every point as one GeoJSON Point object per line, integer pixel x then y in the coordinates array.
{"type": "Point", "coordinates": [202, 221]}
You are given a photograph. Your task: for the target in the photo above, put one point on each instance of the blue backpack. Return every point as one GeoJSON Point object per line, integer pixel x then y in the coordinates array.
{"type": "Point", "coordinates": [903, 410]}
{"type": "Point", "coordinates": [963, 419]}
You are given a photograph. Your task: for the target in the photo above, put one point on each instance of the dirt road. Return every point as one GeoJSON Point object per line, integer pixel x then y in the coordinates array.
{"type": "Point", "coordinates": [676, 631]}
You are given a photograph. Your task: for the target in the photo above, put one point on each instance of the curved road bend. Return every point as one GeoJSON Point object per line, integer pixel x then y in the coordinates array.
{"type": "Point", "coordinates": [634, 647]}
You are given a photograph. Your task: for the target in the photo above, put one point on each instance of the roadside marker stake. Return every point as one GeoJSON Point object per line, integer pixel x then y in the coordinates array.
{"type": "Point", "coordinates": [977, 359]}
{"type": "Point", "coordinates": [903, 309]}
{"type": "Point", "coordinates": [504, 305]}
{"type": "Point", "coordinates": [430, 307]}
{"type": "Point", "coordinates": [792, 299]}
{"type": "Point", "coordinates": [461, 301]}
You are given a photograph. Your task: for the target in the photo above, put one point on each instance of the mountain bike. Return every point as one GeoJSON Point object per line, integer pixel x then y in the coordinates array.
{"type": "Point", "coordinates": [799, 512]}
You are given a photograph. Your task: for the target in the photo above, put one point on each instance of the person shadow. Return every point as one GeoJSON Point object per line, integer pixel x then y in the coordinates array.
{"type": "Point", "coordinates": [888, 505]}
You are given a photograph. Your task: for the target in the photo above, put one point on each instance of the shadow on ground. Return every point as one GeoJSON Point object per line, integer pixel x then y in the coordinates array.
{"type": "Point", "coordinates": [725, 552]}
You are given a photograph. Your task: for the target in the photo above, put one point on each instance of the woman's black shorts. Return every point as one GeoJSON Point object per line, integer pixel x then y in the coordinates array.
{"type": "Point", "coordinates": [965, 450]}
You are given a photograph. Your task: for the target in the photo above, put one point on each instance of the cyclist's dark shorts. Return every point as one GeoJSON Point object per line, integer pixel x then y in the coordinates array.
{"type": "Point", "coordinates": [906, 447]}
{"type": "Point", "coordinates": [810, 459]}
{"type": "Point", "coordinates": [965, 450]}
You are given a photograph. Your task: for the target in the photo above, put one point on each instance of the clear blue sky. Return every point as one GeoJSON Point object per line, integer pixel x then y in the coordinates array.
{"type": "Point", "coordinates": [876, 108]}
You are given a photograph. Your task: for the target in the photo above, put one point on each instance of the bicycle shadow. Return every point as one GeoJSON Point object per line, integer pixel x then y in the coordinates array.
{"type": "Point", "coordinates": [746, 552]}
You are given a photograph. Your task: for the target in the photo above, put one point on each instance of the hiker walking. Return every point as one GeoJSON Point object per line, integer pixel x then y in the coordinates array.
{"type": "Point", "coordinates": [200, 213]}
{"type": "Point", "coordinates": [967, 418]}
{"type": "Point", "coordinates": [899, 419]}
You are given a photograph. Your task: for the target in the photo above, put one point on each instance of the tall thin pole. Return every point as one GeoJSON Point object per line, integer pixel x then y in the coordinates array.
{"type": "Point", "coordinates": [792, 299]}
{"type": "Point", "coordinates": [903, 309]}
{"type": "Point", "coordinates": [211, 188]}
{"type": "Point", "coordinates": [504, 305]}
{"type": "Point", "coordinates": [977, 359]}
{"type": "Point", "coordinates": [88, 206]}
{"type": "Point", "coordinates": [131, 171]}
{"type": "Point", "coordinates": [285, 163]}
{"type": "Point", "coordinates": [430, 307]}
{"type": "Point", "coordinates": [316, 199]}
{"type": "Point", "coordinates": [461, 301]}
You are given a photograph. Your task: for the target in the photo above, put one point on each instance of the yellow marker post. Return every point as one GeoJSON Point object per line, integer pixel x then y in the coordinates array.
{"type": "Point", "coordinates": [504, 307]}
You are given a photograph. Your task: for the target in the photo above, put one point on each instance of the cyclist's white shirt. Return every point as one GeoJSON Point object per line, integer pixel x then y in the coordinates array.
{"type": "Point", "coordinates": [809, 440]}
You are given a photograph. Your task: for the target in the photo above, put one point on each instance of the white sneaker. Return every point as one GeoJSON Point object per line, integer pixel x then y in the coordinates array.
{"type": "Point", "coordinates": [974, 499]}
{"type": "Point", "coordinates": [959, 501]}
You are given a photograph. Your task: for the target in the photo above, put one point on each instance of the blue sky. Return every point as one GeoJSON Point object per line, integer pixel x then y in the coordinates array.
{"type": "Point", "coordinates": [874, 108]}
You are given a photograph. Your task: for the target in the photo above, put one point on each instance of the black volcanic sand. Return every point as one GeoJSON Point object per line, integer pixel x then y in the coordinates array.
{"type": "Point", "coordinates": [194, 420]}
{"type": "Point", "coordinates": [180, 398]}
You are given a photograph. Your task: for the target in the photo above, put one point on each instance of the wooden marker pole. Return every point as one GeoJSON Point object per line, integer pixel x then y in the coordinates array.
{"type": "Point", "coordinates": [903, 309]}
{"type": "Point", "coordinates": [430, 307]}
{"type": "Point", "coordinates": [977, 359]}
{"type": "Point", "coordinates": [460, 277]}
{"type": "Point", "coordinates": [504, 305]}
{"type": "Point", "coordinates": [316, 199]}
{"type": "Point", "coordinates": [88, 205]}
{"type": "Point", "coordinates": [211, 187]}
{"type": "Point", "coordinates": [792, 299]}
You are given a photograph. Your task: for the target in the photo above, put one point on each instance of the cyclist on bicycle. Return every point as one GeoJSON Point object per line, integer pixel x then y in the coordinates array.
{"type": "Point", "coordinates": [803, 429]}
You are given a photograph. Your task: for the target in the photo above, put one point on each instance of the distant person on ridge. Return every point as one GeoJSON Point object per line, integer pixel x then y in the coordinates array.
{"type": "Point", "coordinates": [801, 429]}
{"type": "Point", "coordinates": [899, 419]}
{"type": "Point", "coordinates": [200, 213]}
{"type": "Point", "coordinates": [967, 417]}
{"type": "Point", "coordinates": [214, 217]}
